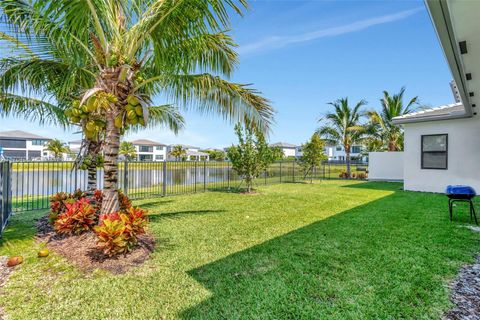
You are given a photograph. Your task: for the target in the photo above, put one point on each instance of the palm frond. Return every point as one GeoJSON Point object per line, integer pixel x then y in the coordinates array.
{"type": "Point", "coordinates": [32, 109]}
{"type": "Point", "coordinates": [211, 94]}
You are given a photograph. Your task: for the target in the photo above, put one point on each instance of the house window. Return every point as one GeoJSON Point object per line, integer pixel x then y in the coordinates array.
{"type": "Point", "coordinates": [145, 149]}
{"type": "Point", "coordinates": [159, 157]}
{"type": "Point", "coordinates": [159, 148]}
{"type": "Point", "coordinates": [435, 151]}
{"type": "Point", "coordinates": [339, 148]}
{"type": "Point", "coordinates": [356, 149]}
{"type": "Point", "coordinates": [37, 142]}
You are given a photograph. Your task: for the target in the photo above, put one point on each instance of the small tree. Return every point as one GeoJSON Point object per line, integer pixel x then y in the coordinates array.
{"type": "Point", "coordinates": [178, 152]}
{"type": "Point", "coordinates": [127, 149]}
{"type": "Point", "coordinates": [277, 153]}
{"type": "Point", "coordinates": [313, 152]}
{"type": "Point", "coordinates": [57, 147]}
{"type": "Point", "coordinates": [216, 155]}
{"type": "Point", "coordinates": [251, 156]}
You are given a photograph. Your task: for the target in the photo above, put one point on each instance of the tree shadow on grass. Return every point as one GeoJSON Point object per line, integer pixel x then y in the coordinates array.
{"type": "Point", "coordinates": [385, 259]}
{"type": "Point", "coordinates": [180, 214]}
{"type": "Point", "coordinates": [377, 185]}
{"type": "Point", "coordinates": [153, 203]}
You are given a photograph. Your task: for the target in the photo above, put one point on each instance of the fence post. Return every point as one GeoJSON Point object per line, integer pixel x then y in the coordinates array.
{"type": "Point", "coordinates": [6, 195]}
{"type": "Point", "coordinates": [265, 176]}
{"type": "Point", "coordinates": [195, 176]}
{"type": "Point", "coordinates": [293, 171]}
{"type": "Point", "coordinates": [125, 177]}
{"type": "Point", "coordinates": [164, 172]}
{"type": "Point", "coordinates": [204, 175]}
{"type": "Point", "coordinates": [228, 175]}
{"type": "Point", "coordinates": [281, 171]}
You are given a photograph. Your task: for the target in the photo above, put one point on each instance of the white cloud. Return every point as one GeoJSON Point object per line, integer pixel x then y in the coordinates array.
{"type": "Point", "coordinates": [276, 42]}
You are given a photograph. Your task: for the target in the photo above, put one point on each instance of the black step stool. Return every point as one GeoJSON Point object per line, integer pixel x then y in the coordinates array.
{"type": "Point", "coordinates": [461, 194]}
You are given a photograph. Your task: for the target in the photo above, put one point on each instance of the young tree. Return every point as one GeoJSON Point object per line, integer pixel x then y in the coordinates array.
{"type": "Point", "coordinates": [251, 156]}
{"type": "Point", "coordinates": [126, 53]}
{"type": "Point", "coordinates": [277, 153]}
{"type": "Point", "coordinates": [313, 153]}
{"type": "Point", "coordinates": [178, 152]}
{"type": "Point", "coordinates": [127, 149]}
{"type": "Point", "coordinates": [57, 147]}
{"type": "Point", "coordinates": [381, 125]}
{"type": "Point", "coordinates": [216, 155]}
{"type": "Point", "coordinates": [343, 126]}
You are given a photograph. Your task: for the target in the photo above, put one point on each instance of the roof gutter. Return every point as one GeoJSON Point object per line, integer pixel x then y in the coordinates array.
{"type": "Point", "coordinates": [441, 19]}
{"type": "Point", "coordinates": [462, 115]}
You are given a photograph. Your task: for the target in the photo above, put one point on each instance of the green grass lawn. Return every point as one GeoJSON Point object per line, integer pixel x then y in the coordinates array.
{"type": "Point", "coordinates": [331, 250]}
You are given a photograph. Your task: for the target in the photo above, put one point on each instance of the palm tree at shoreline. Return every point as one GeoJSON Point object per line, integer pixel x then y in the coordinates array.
{"type": "Point", "coordinates": [128, 52]}
{"type": "Point", "coordinates": [343, 127]}
{"type": "Point", "coordinates": [127, 149]}
{"type": "Point", "coordinates": [381, 123]}
{"type": "Point", "coordinates": [57, 148]}
{"type": "Point", "coordinates": [178, 152]}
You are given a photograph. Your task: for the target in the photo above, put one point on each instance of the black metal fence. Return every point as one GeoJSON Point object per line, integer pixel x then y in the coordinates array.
{"type": "Point", "coordinates": [33, 182]}
{"type": "Point", "coordinates": [5, 194]}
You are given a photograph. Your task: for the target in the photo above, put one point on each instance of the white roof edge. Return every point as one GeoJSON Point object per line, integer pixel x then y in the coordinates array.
{"type": "Point", "coordinates": [440, 16]}
{"type": "Point", "coordinates": [433, 115]}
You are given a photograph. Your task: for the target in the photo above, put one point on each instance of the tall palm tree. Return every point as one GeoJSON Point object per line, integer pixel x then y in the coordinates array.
{"type": "Point", "coordinates": [129, 51]}
{"type": "Point", "coordinates": [25, 65]}
{"type": "Point", "coordinates": [178, 152]}
{"type": "Point", "coordinates": [57, 147]}
{"type": "Point", "coordinates": [127, 149]}
{"type": "Point", "coordinates": [392, 106]}
{"type": "Point", "coordinates": [343, 126]}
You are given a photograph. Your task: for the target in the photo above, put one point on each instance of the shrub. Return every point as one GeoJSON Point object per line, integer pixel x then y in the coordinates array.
{"type": "Point", "coordinates": [78, 217]}
{"type": "Point", "coordinates": [59, 201]}
{"type": "Point", "coordinates": [343, 175]}
{"type": "Point", "coordinates": [361, 176]}
{"type": "Point", "coordinates": [118, 232]}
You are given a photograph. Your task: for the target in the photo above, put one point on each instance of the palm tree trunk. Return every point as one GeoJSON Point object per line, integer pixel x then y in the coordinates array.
{"type": "Point", "coordinates": [93, 150]}
{"type": "Point", "coordinates": [347, 157]}
{"type": "Point", "coordinates": [110, 189]}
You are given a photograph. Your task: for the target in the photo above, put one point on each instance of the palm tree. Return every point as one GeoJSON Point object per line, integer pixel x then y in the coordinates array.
{"type": "Point", "coordinates": [31, 70]}
{"type": "Point", "coordinates": [392, 106]}
{"type": "Point", "coordinates": [57, 147]}
{"type": "Point", "coordinates": [128, 150]}
{"type": "Point", "coordinates": [343, 126]}
{"type": "Point", "coordinates": [127, 52]}
{"type": "Point", "coordinates": [178, 152]}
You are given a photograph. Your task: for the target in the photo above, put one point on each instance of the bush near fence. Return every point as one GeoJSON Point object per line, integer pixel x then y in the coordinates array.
{"type": "Point", "coordinates": [33, 182]}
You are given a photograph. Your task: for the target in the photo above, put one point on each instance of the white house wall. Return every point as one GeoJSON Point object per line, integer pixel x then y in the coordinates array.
{"type": "Point", "coordinates": [289, 152]}
{"type": "Point", "coordinates": [385, 166]}
{"type": "Point", "coordinates": [463, 155]}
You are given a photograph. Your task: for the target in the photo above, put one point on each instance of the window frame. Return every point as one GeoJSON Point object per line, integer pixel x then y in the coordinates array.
{"type": "Point", "coordinates": [434, 152]}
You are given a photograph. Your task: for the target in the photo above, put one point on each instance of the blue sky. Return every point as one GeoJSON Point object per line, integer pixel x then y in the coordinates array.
{"type": "Point", "coordinates": [304, 54]}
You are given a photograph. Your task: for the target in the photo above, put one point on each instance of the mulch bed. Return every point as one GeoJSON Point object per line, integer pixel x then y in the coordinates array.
{"type": "Point", "coordinates": [81, 250]}
{"type": "Point", "coordinates": [465, 294]}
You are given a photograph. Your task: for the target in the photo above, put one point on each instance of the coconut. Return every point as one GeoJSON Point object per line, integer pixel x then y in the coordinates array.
{"type": "Point", "coordinates": [118, 122]}
{"type": "Point", "coordinates": [43, 253]}
{"type": "Point", "coordinates": [131, 99]}
{"type": "Point", "coordinates": [139, 110]}
{"type": "Point", "coordinates": [131, 114]}
{"type": "Point", "coordinates": [14, 261]}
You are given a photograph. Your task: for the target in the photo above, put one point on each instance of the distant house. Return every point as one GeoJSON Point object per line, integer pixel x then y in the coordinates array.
{"type": "Point", "coordinates": [22, 145]}
{"type": "Point", "coordinates": [192, 153]}
{"type": "Point", "coordinates": [337, 152]}
{"type": "Point", "coordinates": [148, 150]}
{"type": "Point", "coordinates": [74, 147]}
{"type": "Point", "coordinates": [288, 149]}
